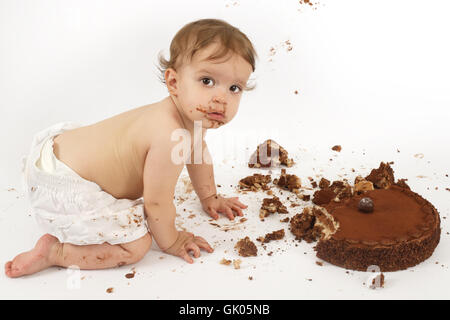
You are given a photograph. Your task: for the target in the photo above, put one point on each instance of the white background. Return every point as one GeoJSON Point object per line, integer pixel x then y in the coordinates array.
{"type": "Point", "coordinates": [372, 77]}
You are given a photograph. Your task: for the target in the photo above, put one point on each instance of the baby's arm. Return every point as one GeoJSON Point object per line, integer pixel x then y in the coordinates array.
{"type": "Point", "coordinates": [202, 175]}
{"type": "Point", "coordinates": [202, 178]}
{"type": "Point", "coordinates": [160, 177]}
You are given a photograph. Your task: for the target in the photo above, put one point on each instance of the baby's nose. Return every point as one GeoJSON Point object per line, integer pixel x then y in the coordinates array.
{"type": "Point", "coordinates": [218, 103]}
{"type": "Point", "coordinates": [219, 99]}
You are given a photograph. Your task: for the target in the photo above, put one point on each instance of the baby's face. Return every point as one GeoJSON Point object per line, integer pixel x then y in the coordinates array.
{"type": "Point", "coordinates": [210, 91]}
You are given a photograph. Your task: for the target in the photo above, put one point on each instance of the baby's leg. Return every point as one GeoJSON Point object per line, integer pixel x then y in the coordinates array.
{"type": "Point", "coordinates": [50, 252]}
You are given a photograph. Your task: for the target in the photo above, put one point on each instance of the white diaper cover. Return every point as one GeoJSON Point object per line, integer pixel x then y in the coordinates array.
{"type": "Point", "coordinates": [73, 209]}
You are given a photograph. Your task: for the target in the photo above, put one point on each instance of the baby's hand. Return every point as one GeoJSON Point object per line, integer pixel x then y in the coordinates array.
{"type": "Point", "coordinates": [229, 206]}
{"type": "Point", "coordinates": [186, 242]}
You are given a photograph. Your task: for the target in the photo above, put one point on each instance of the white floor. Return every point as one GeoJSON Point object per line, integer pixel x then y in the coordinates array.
{"type": "Point", "coordinates": [290, 272]}
{"type": "Point", "coordinates": [371, 78]}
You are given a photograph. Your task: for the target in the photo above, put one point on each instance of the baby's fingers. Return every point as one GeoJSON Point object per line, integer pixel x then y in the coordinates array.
{"type": "Point", "coordinates": [203, 244]}
{"type": "Point", "coordinates": [238, 203]}
{"type": "Point", "coordinates": [191, 246]}
{"type": "Point", "coordinates": [238, 210]}
{"type": "Point", "coordinates": [213, 213]}
{"type": "Point", "coordinates": [185, 256]}
{"type": "Point", "coordinates": [229, 213]}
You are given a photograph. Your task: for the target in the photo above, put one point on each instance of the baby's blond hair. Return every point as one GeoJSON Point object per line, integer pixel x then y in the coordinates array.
{"type": "Point", "coordinates": [201, 33]}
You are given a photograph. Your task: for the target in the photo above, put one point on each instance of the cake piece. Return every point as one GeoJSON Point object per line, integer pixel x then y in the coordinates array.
{"type": "Point", "coordinates": [304, 197]}
{"type": "Point", "coordinates": [324, 183]}
{"type": "Point", "coordinates": [246, 248]}
{"type": "Point", "coordinates": [288, 181]}
{"type": "Point", "coordinates": [323, 196]}
{"type": "Point", "coordinates": [336, 192]}
{"type": "Point", "coordinates": [271, 205]}
{"type": "Point", "coordinates": [312, 224]}
{"type": "Point", "coordinates": [276, 235]}
{"type": "Point", "coordinates": [269, 154]}
{"type": "Point", "coordinates": [383, 177]}
{"type": "Point", "coordinates": [255, 182]}
{"type": "Point", "coordinates": [362, 185]}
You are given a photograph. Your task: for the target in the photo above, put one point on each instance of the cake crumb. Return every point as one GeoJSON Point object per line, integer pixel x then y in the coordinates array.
{"type": "Point", "coordinates": [225, 262]}
{"type": "Point", "coordinates": [110, 290]}
{"type": "Point", "coordinates": [276, 235]}
{"type": "Point", "coordinates": [337, 148]}
{"type": "Point", "coordinates": [131, 274]}
{"type": "Point", "coordinates": [246, 248]}
{"type": "Point", "coordinates": [319, 263]}
{"type": "Point", "coordinates": [237, 263]}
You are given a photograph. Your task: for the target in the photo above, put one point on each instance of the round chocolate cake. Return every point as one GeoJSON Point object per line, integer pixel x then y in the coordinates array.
{"type": "Point", "coordinates": [402, 230]}
{"type": "Point", "coordinates": [377, 223]}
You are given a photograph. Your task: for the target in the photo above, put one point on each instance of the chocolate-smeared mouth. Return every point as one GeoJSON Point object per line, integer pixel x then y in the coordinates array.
{"type": "Point", "coordinates": [216, 116]}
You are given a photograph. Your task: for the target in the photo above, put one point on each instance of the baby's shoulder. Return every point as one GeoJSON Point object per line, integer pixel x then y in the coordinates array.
{"type": "Point", "coordinates": [157, 124]}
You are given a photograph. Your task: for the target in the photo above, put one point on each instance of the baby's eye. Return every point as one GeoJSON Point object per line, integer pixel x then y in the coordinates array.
{"type": "Point", "coordinates": [207, 82]}
{"type": "Point", "coordinates": [235, 89]}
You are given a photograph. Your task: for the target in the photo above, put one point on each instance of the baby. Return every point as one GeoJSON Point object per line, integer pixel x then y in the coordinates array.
{"type": "Point", "coordinates": [101, 191]}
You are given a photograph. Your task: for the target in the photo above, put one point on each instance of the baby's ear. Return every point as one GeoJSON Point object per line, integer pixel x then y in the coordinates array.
{"type": "Point", "coordinates": [170, 76]}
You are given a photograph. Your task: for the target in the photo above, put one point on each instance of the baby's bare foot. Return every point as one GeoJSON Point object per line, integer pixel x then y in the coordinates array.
{"type": "Point", "coordinates": [34, 260]}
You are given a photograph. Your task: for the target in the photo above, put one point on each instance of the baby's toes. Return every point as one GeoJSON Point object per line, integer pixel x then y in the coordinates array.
{"type": "Point", "coordinates": [11, 270]}
{"type": "Point", "coordinates": [8, 268]}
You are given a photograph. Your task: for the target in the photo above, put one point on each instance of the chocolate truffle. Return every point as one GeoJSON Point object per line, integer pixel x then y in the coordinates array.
{"type": "Point", "coordinates": [365, 205]}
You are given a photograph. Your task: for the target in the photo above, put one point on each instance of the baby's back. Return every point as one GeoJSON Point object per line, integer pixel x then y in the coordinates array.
{"type": "Point", "coordinates": [111, 152]}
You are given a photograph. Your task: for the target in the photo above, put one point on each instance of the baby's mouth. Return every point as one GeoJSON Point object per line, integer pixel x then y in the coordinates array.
{"type": "Point", "coordinates": [216, 116]}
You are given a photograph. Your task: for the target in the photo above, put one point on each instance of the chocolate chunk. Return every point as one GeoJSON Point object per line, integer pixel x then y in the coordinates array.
{"type": "Point", "coordinates": [365, 205]}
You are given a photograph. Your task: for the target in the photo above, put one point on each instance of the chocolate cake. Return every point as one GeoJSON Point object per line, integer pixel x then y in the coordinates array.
{"type": "Point", "coordinates": [401, 229]}
{"type": "Point", "coordinates": [337, 191]}
{"type": "Point", "coordinates": [312, 224]}
{"type": "Point", "coordinates": [271, 205]}
{"type": "Point", "coordinates": [255, 182]}
{"type": "Point", "coordinates": [270, 154]}
{"type": "Point", "coordinates": [288, 182]}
